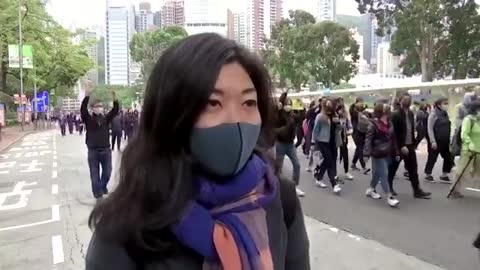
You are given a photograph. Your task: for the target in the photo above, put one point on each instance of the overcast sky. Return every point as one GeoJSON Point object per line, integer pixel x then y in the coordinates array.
{"type": "Point", "coordinates": [84, 13]}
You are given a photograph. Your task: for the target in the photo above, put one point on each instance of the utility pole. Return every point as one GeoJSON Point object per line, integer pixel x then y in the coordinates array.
{"type": "Point", "coordinates": [20, 56]}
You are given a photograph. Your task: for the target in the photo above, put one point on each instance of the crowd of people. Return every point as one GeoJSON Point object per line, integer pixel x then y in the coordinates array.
{"type": "Point", "coordinates": [388, 135]}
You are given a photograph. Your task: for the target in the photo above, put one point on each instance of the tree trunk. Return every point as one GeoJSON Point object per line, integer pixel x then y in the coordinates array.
{"type": "Point", "coordinates": [3, 76]}
{"type": "Point", "coordinates": [424, 65]}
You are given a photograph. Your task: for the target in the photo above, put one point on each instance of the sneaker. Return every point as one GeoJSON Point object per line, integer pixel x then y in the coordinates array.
{"type": "Point", "coordinates": [338, 180]}
{"type": "Point", "coordinates": [420, 194]}
{"type": "Point", "coordinates": [309, 169]}
{"type": "Point", "coordinates": [366, 171]}
{"type": "Point", "coordinates": [105, 191]}
{"type": "Point", "coordinates": [337, 189]}
{"type": "Point", "coordinates": [392, 202]}
{"type": "Point", "coordinates": [320, 184]}
{"type": "Point", "coordinates": [300, 193]}
{"type": "Point", "coordinates": [354, 168]}
{"type": "Point", "coordinates": [430, 179]}
{"type": "Point", "coordinates": [445, 179]}
{"type": "Point", "coordinates": [372, 194]}
{"type": "Point", "coordinates": [349, 176]}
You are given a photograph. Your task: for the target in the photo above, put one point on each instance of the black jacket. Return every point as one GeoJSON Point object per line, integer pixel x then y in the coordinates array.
{"type": "Point", "coordinates": [400, 126]}
{"type": "Point", "coordinates": [379, 144]}
{"type": "Point", "coordinates": [477, 242]}
{"type": "Point", "coordinates": [97, 126]}
{"type": "Point", "coordinates": [285, 128]}
{"type": "Point", "coordinates": [288, 245]}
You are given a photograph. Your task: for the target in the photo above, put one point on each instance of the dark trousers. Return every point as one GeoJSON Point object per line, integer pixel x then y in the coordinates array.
{"type": "Point", "coordinates": [412, 168]}
{"type": "Point", "coordinates": [359, 140]}
{"type": "Point", "coordinates": [70, 128]}
{"type": "Point", "coordinates": [443, 148]}
{"type": "Point", "coordinates": [421, 134]}
{"type": "Point", "coordinates": [116, 137]}
{"type": "Point", "coordinates": [300, 136]}
{"type": "Point", "coordinates": [344, 156]}
{"type": "Point", "coordinates": [80, 130]}
{"type": "Point", "coordinates": [97, 158]}
{"type": "Point", "coordinates": [63, 130]}
{"type": "Point", "coordinates": [329, 164]}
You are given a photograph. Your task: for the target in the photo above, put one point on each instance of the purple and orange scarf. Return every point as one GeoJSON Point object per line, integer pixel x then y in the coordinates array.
{"type": "Point", "coordinates": [227, 224]}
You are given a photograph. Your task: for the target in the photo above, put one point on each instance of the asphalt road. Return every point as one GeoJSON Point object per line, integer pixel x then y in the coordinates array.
{"type": "Point", "coordinates": [439, 231]}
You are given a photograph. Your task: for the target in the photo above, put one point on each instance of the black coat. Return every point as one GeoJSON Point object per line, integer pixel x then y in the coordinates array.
{"type": "Point", "coordinates": [289, 246]}
{"type": "Point", "coordinates": [400, 126]}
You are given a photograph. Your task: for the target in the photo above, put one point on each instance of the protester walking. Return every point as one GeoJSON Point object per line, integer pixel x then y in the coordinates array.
{"type": "Point", "coordinates": [468, 169]}
{"type": "Point", "coordinates": [346, 130]}
{"type": "Point", "coordinates": [360, 124]}
{"type": "Point", "coordinates": [205, 199]}
{"type": "Point", "coordinates": [421, 123]}
{"type": "Point", "coordinates": [380, 145]}
{"type": "Point", "coordinates": [97, 139]}
{"type": "Point", "coordinates": [439, 130]}
{"type": "Point", "coordinates": [62, 122]}
{"type": "Point", "coordinates": [70, 122]}
{"type": "Point", "coordinates": [326, 134]}
{"type": "Point", "coordinates": [404, 128]}
{"type": "Point", "coordinates": [117, 131]}
{"type": "Point", "coordinates": [285, 131]}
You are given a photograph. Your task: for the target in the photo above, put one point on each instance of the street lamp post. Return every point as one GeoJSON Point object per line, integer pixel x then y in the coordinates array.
{"type": "Point", "coordinates": [20, 56]}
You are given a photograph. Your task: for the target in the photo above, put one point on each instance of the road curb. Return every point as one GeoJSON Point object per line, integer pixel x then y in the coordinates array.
{"type": "Point", "coordinates": [18, 139]}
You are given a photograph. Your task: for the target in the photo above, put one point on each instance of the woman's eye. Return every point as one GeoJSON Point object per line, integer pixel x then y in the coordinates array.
{"type": "Point", "coordinates": [250, 103]}
{"type": "Point", "coordinates": [213, 103]}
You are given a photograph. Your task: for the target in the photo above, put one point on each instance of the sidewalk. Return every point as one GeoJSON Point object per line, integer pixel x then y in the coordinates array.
{"type": "Point", "coordinates": [333, 249]}
{"type": "Point", "coordinates": [10, 135]}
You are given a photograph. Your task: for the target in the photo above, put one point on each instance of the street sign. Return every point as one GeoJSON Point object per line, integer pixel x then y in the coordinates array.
{"type": "Point", "coordinates": [14, 57]}
{"type": "Point", "coordinates": [42, 101]}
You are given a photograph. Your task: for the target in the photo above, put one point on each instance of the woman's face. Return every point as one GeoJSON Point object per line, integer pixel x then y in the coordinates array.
{"type": "Point", "coordinates": [233, 100]}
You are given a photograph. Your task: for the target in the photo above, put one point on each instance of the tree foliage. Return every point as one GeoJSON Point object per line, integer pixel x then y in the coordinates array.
{"type": "Point", "coordinates": [147, 47]}
{"type": "Point", "coordinates": [300, 49]}
{"type": "Point", "coordinates": [436, 37]}
{"type": "Point", "coordinates": [58, 63]}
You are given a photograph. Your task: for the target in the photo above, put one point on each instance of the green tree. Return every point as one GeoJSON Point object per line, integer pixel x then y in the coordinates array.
{"type": "Point", "coordinates": [58, 64]}
{"type": "Point", "coordinates": [331, 51]}
{"type": "Point", "coordinates": [436, 37]}
{"type": "Point", "coordinates": [281, 55]}
{"type": "Point", "coordinates": [147, 47]}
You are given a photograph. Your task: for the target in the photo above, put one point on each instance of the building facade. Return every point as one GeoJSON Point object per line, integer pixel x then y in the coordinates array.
{"type": "Point", "coordinates": [260, 17]}
{"type": "Point", "coordinates": [119, 29]}
{"type": "Point", "coordinates": [202, 16]}
{"type": "Point", "coordinates": [92, 52]}
{"type": "Point", "coordinates": [144, 19]}
{"type": "Point", "coordinates": [230, 25]}
{"type": "Point", "coordinates": [157, 19]}
{"type": "Point", "coordinates": [326, 10]}
{"type": "Point", "coordinates": [387, 63]}
{"type": "Point", "coordinates": [173, 13]}
{"type": "Point", "coordinates": [239, 28]}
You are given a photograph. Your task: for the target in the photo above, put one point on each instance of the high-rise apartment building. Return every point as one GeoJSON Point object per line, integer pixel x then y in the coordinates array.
{"type": "Point", "coordinates": [260, 17]}
{"type": "Point", "coordinates": [326, 10]}
{"type": "Point", "coordinates": [239, 28]}
{"type": "Point", "coordinates": [119, 25]}
{"type": "Point", "coordinates": [157, 18]}
{"type": "Point", "coordinates": [230, 24]}
{"type": "Point", "coordinates": [91, 36]}
{"type": "Point", "coordinates": [387, 63]}
{"type": "Point", "coordinates": [144, 19]}
{"type": "Point", "coordinates": [202, 16]}
{"type": "Point", "coordinates": [173, 13]}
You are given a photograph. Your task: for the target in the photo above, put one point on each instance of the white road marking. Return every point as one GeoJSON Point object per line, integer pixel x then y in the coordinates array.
{"type": "Point", "coordinates": [54, 189]}
{"type": "Point", "coordinates": [19, 191]}
{"type": "Point", "coordinates": [54, 165]}
{"type": "Point", "coordinates": [54, 157]}
{"type": "Point", "coordinates": [54, 174]}
{"type": "Point", "coordinates": [57, 248]}
{"type": "Point", "coordinates": [55, 212]}
{"type": "Point", "coordinates": [54, 152]}
{"type": "Point", "coordinates": [473, 189]}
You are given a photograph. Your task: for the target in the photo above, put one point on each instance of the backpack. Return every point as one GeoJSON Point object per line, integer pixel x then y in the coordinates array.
{"type": "Point", "coordinates": [363, 122]}
{"type": "Point", "coordinates": [288, 196]}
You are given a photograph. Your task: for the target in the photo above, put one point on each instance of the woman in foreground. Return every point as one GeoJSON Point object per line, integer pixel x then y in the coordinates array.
{"type": "Point", "coordinates": [194, 193]}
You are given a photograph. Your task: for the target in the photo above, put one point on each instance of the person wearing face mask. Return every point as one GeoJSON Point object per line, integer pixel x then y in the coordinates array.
{"type": "Point", "coordinates": [194, 190]}
{"type": "Point", "coordinates": [438, 138]}
{"type": "Point", "coordinates": [97, 127]}
{"type": "Point", "coordinates": [346, 131]}
{"type": "Point", "coordinates": [286, 132]}
{"type": "Point", "coordinates": [360, 125]}
{"type": "Point", "coordinates": [327, 136]}
{"type": "Point", "coordinates": [404, 127]}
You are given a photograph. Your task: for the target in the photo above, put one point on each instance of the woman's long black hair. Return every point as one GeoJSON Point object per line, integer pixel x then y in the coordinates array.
{"type": "Point", "coordinates": [155, 174]}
